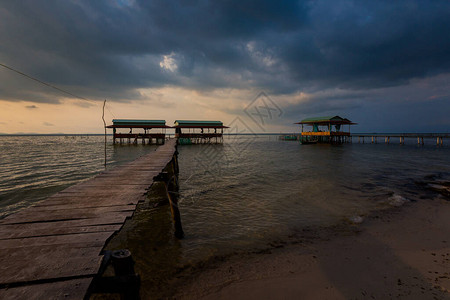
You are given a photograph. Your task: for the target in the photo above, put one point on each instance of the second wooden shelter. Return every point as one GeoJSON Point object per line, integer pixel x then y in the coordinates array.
{"type": "Point", "coordinates": [199, 132]}
{"type": "Point", "coordinates": [148, 131]}
{"type": "Point", "coordinates": [325, 130]}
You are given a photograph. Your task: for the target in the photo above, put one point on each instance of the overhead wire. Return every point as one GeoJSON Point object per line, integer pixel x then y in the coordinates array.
{"type": "Point", "coordinates": [107, 107]}
{"type": "Point", "coordinates": [65, 92]}
{"type": "Point", "coordinates": [43, 82]}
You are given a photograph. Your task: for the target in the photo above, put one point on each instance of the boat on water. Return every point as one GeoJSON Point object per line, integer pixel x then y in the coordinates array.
{"type": "Point", "coordinates": [290, 137]}
{"type": "Point", "coordinates": [306, 141]}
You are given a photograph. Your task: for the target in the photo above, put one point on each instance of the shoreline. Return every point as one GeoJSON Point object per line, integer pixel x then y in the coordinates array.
{"type": "Point", "coordinates": [401, 253]}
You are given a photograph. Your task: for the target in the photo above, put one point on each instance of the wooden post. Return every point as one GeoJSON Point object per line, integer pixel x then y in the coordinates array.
{"type": "Point", "coordinates": [123, 265]}
{"type": "Point", "coordinates": [122, 262]}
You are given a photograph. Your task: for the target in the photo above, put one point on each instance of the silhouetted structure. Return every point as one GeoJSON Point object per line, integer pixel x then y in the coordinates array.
{"type": "Point", "coordinates": [196, 132]}
{"type": "Point", "coordinates": [148, 131]}
{"type": "Point", "coordinates": [325, 130]}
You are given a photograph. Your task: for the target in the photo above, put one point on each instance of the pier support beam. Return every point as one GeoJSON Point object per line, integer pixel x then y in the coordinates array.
{"type": "Point", "coordinates": [170, 179]}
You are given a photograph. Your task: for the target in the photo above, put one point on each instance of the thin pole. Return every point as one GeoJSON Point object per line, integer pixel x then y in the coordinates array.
{"type": "Point", "coordinates": [104, 124]}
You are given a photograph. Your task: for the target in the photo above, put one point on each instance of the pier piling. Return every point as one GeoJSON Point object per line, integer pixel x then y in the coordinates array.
{"type": "Point", "coordinates": [170, 179]}
{"type": "Point", "coordinates": [419, 136]}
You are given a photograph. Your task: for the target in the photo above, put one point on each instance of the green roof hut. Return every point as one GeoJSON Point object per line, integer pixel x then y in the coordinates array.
{"type": "Point", "coordinates": [132, 130]}
{"type": "Point", "coordinates": [326, 130]}
{"type": "Point", "coordinates": [199, 132]}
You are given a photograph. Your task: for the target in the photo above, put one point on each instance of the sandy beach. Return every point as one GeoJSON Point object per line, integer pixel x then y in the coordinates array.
{"type": "Point", "coordinates": [400, 253]}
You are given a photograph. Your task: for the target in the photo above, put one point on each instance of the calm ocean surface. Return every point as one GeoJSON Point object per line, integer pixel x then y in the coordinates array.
{"type": "Point", "coordinates": [236, 196]}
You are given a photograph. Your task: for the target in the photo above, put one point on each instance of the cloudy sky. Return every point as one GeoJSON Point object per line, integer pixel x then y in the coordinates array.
{"type": "Point", "coordinates": [382, 64]}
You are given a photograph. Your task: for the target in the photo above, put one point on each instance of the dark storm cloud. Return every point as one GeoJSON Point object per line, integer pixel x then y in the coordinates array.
{"type": "Point", "coordinates": [421, 106]}
{"type": "Point", "coordinates": [101, 49]}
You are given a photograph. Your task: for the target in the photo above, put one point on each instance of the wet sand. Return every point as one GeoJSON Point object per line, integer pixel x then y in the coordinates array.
{"type": "Point", "coordinates": [402, 253]}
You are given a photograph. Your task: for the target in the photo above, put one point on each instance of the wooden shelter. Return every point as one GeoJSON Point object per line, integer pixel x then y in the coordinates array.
{"type": "Point", "coordinates": [197, 132]}
{"type": "Point", "coordinates": [148, 131]}
{"type": "Point", "coordinates": [326, 130]}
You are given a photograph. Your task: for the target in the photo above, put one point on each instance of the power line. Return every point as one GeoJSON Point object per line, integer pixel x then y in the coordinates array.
{"type": "Point", "coordinates": [107, 107]}
{"type": "Point", "coordinates": [44, 83]}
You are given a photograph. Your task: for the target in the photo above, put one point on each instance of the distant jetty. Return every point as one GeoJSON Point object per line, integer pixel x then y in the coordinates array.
{"type": "Point", "coordinates": [331, 130]}
{"type": "Point", "coordinates": [154, 131]}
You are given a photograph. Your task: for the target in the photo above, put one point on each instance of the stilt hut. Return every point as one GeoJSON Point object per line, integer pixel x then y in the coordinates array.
{"type": "Point", "coordinates": [133, 131]}
{"type": "Point", "coordinates": [199, 132]}
{"type": "Point", "coordinates": [325, 130]}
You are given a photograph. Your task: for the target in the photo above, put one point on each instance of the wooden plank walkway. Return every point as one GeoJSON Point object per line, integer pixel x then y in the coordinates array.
{"type": "Point", "coordinates": [52, 250]}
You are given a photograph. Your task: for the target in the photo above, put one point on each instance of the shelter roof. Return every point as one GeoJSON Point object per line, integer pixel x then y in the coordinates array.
{"type": "Point", "coordinates": [198, 124]}
{"type": "Point", "coordinates": [334, 120]}
{"type": "Point", "coordinates": [136, 123]}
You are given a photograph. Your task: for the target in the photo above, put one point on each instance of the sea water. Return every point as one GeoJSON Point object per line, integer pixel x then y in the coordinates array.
{"type": "Point", "coordinates": [35, 167]}
{"type": "Point", "coordinates": [237, 196]}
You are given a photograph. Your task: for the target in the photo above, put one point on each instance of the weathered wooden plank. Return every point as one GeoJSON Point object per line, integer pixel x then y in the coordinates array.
{"type": "Point", "coordinates": [97, 239]}
{"type": "Point", "coordinates": [90, 202]}
{"type": "Point", "coordinates": [69, 211]}
{"type": "Point", "coordinates": [83, 198]}
{"type": "Point", "coordinates": [139, 170]}
{"type": "Point", "coordinates": [67, 290]}
{"type": "Point", "coordinates": [104, 220]}
{"type": "Point", "coordinates": [17, 231]}
{"type": "Point", "coordinates": [110, 190]}
{"type": "Point", "coordinates": [75, 207]}
{"type": "Point", "coordinates": [48, 262]}
{"type": "Point", "coordinates": [29, 216]}
{"type": "Point", "coordinates": [98, 187]}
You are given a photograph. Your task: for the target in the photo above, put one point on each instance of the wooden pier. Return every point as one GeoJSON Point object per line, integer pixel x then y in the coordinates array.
{"type": "Point", "coordinates": [374, 138]}
{"type": "Point", "coordinates": [54, 249]}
